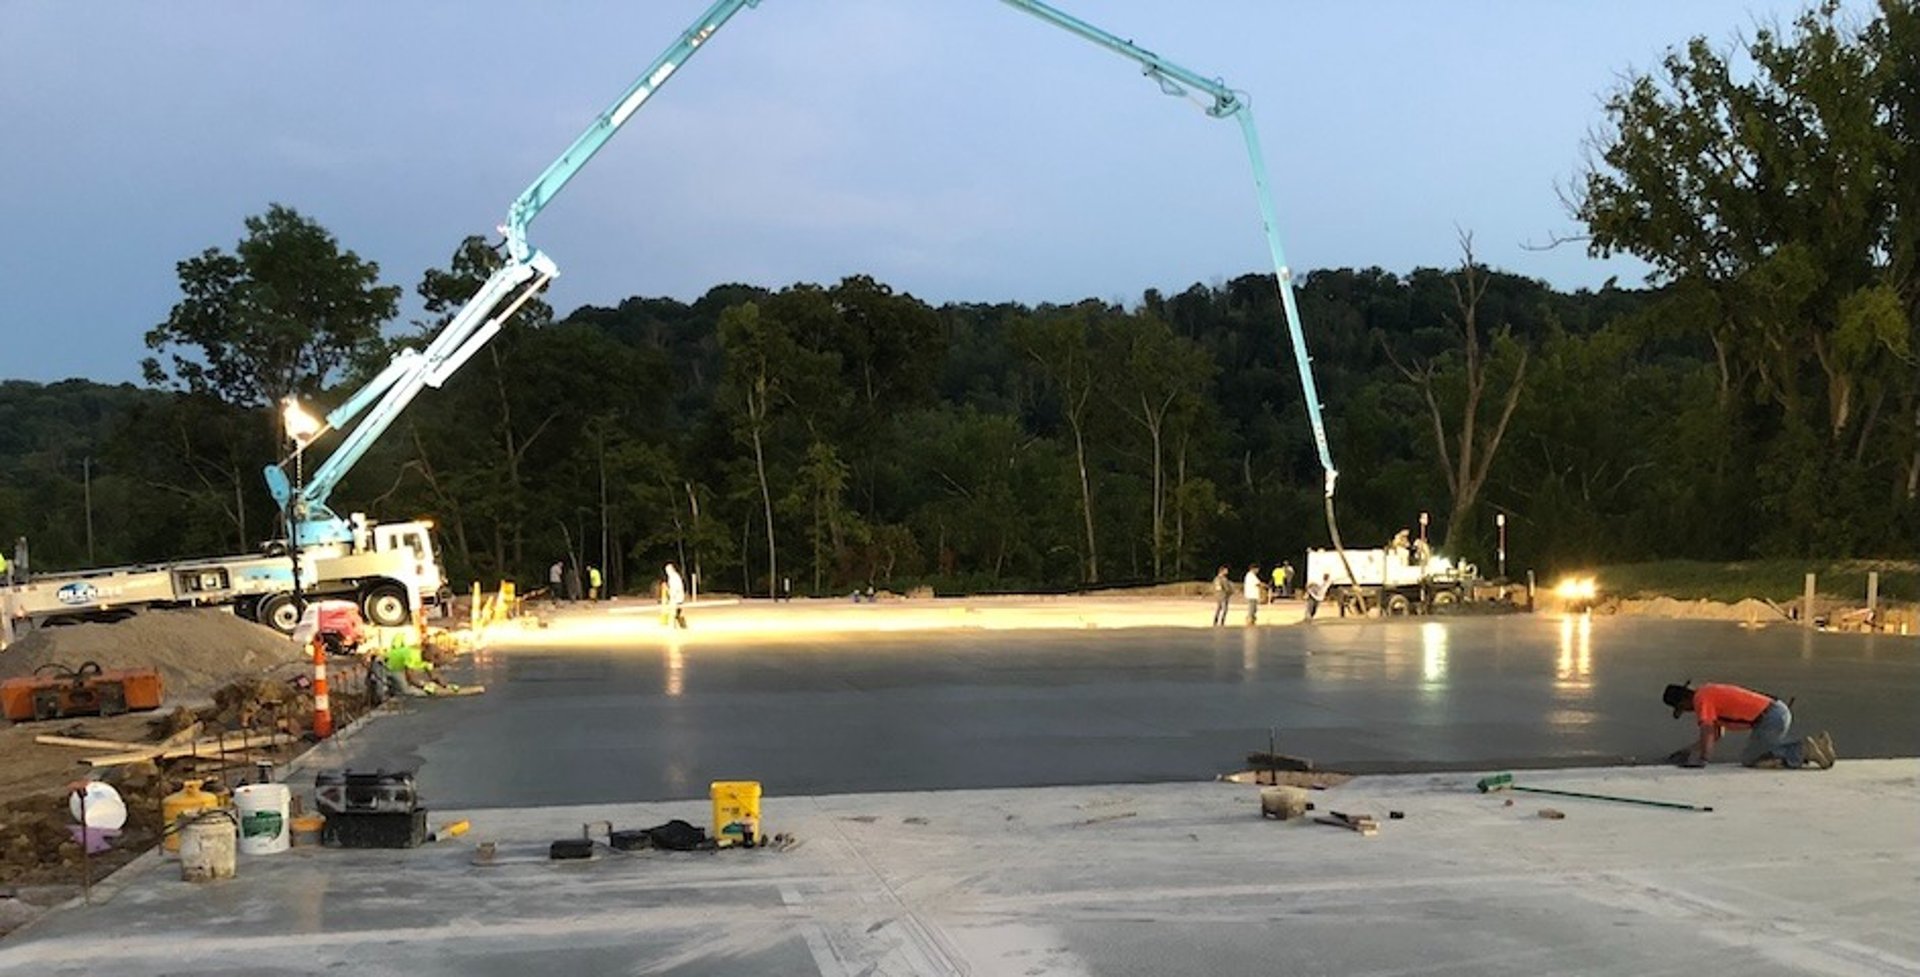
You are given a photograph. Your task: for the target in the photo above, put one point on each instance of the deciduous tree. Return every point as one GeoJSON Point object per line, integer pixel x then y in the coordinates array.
{"type": "Point", "coordinates": [1778, 179]}
{"type": "Point", "coordinates": [1486, 366]}
{"type": "Point", "coordinates": [1061, 346]}
{"type": "Point", "coordinates": [286, 312]}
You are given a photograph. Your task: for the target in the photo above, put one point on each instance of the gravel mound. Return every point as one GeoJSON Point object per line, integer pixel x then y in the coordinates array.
{"type": "Point", "coordinates": [196, 650]}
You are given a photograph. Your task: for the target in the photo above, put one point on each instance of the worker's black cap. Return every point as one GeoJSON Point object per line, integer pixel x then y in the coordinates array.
{"type": "Point", "coordinates": [1677, 696]}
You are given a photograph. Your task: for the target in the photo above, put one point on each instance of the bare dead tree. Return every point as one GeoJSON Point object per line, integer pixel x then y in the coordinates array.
{"type": "Point", "coordinates": [1466, 454]}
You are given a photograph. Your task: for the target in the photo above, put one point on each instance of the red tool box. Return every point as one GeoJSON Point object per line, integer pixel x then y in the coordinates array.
{"type": "Point", "coordinates": [55, 691]}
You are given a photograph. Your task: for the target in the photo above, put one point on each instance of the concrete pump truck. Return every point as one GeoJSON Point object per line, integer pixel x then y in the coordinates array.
{"type": "Point", "coordinates": [391, 569]}
{"type": "Point", "coordinates": [525, 270]}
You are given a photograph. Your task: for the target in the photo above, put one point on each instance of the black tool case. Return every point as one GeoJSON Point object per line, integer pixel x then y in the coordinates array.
{"type": "Point", "coordinates": [380, 792]}
{"type": "Point", "coordinates": [404, 830]}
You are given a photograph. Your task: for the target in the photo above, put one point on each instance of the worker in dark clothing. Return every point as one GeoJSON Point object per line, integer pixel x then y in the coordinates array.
{"type": "Point", "coordinates": [1767, 718]}
{"type": "Point", "coordinates": [1222, 596]}
{"type": "Point", "coordinates": [1317, 593]}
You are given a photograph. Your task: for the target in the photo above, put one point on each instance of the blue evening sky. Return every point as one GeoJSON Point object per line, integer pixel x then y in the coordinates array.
{"type": "Point", "coordinates": [959, 150]}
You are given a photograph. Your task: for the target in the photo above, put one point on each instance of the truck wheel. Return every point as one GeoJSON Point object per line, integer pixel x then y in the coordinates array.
{"type": "Point", "coordinates": [1399, 606]}
{"type": "Point", "coordinates": [1445, 598]}
{"type": "Point", "coordinates": [278, 612]}
{"type": "Point", "coordinates": [385, 605]}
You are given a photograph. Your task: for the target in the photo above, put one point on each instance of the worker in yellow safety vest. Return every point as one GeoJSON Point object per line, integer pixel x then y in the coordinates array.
{"type": "Point", "coordinates": [412, 671]}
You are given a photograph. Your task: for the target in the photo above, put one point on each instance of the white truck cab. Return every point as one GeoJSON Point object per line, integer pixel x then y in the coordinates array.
{"type": "Point", "coordinates": [1396, 579]}
{"type": "Point", "coordinates": [391, 570]}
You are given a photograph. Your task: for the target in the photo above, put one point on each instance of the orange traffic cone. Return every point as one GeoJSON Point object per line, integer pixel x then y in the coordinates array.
{"type": "Point", "coordinates": [322, 709]}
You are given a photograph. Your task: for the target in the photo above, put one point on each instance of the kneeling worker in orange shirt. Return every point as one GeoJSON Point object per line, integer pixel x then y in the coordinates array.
{"type": "Point", "coordinates": [1766, 717]}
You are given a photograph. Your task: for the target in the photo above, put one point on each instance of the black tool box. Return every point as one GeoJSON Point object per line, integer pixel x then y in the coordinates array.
{"type": "Point", "coordinates": [396, 830]}
{"type": "Point", "coordinates": [370, 810]}
{"type": "Point", "coordinates": [380, 792]}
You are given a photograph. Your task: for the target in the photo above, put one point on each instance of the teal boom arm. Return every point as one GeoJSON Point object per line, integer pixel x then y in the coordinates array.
{"type": "Point", "coordinates": [1176, 80]}
{"type": "Point", "coordinates": [474, 325]}
{"type": "Point", "coordinates": [549, 183]}
{"type": "Point", "coordinates": [525, 272]}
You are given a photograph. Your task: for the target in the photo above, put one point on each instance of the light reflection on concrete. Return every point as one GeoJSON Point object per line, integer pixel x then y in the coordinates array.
{"type": "Point", "coordinates": [1433, 655]}
{"type": "Point", "coordinates": [1573, 671]}
{"type": "Point", "coordinates": [1341, 656]}
{"type": "Point", "coordinates": [626, 622]}
{"type": "Point", "coordinates": [676, 670]}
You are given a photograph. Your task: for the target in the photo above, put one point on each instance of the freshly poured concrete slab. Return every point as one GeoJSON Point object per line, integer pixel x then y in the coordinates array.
{"type": "Point", "coordinates": [1794, 872]}
{"type": "Point", "coordinates": [607, 707]}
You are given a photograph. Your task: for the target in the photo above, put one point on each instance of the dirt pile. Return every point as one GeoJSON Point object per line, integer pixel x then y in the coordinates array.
{"type": "Point", "coordinates": [1750, 609]}
{"type": "Point", "coordinates": [196, 651]}
{"type": "Point", "coordinates": [1829, 613]}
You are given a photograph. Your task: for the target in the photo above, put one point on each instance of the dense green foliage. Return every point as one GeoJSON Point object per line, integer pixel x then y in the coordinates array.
{"type": "Point", "coordinates": [951, 459]}
{"type": "Point", "coordinates": [1780, 581]}
{"type": "Point", "coordinates": [1762, 401]}
{"type": "Point", "coordinates": [1780, 204]}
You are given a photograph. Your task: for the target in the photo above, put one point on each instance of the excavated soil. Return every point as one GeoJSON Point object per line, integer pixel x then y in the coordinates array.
{"type": "Point", "coordinates": [1835, 614]}
{"type": "Point", "coordinates": [196, 651]}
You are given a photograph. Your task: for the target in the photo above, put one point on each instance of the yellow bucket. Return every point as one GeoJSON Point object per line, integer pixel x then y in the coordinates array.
{"type": "Point", "coordinates": [736, 812]}
{"type": "Point", "coordinates": [183, 803]}
{"type": "Point", "coordinates": [307, 829]}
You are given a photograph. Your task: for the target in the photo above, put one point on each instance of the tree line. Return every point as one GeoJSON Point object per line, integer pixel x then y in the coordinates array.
{"type": "Point", "coordinates": [1760, 398]}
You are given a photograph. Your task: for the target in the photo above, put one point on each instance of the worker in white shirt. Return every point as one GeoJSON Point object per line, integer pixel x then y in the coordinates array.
{"type": "Point", "coordinates": [1253, 592]}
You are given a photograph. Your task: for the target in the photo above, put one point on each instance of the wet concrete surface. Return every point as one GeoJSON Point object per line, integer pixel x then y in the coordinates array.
{"type": "Point", "coordinates": [956, 709]}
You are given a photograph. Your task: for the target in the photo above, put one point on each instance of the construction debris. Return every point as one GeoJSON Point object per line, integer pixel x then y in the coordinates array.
{"type": "Point", "coordinates": [243, 700]}
{"type": "Point", "coordinates": [83, 743]}
{"type": "Point", "coordinates": [212, 747]}
{"type": "Point", "coordinates": [1364, 824]}
{"type": "Point", "coordinates": [1268, 761]}
{"type": "Point", "coordinates": [1310, 779]}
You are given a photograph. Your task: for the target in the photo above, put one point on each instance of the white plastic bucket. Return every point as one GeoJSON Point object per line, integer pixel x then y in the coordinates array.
{"type": "Point", "coordinates": [265, 814]}
{"type": "Point", "coordinates": [206, 847]}
{"type": "Point", "coordinates": [103, 805]}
